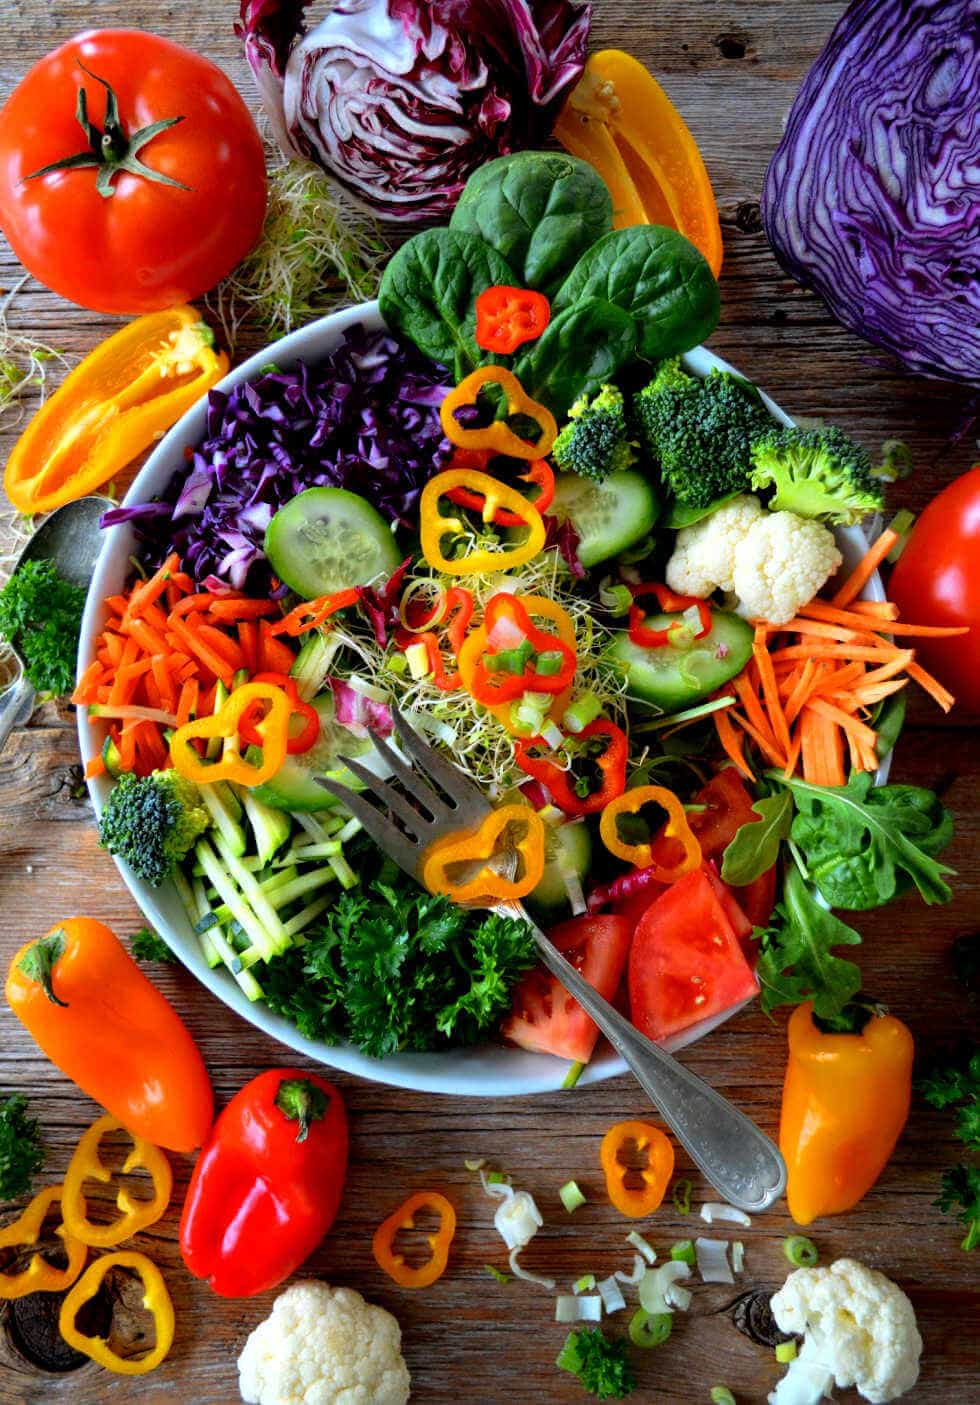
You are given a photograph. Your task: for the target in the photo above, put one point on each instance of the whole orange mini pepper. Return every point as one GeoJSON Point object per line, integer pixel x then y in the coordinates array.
{"type": "Point", "coordinates": [434, 1267]}
{"type": "Point", "coordinates": [845, 1101]}
{"type": "Point", "coordinates": [637, 1201]}
{"type": "Point", "coordinates": [95, 1015]}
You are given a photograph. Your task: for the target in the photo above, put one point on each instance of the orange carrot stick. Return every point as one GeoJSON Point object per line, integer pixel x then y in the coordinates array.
{"type": "Point", "coordinates": [866, 568]}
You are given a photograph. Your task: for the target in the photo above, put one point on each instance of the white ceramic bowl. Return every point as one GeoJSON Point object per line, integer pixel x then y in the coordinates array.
{"type": "Point", "coordinates": [486, 1071]}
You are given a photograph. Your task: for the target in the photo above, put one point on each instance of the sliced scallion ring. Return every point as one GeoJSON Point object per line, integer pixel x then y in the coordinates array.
{"type": "Point", "coordinates": [801, 1252]}
{"type": "Point", "coordinates": [649, 1329]}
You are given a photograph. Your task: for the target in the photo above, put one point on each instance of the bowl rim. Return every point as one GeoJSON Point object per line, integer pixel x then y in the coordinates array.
{"type": "Point", "coordinates": [486, 1070]}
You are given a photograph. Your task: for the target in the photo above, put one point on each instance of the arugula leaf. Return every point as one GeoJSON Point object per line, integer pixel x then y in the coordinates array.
{"type": "Point", "coordinates": [754, 848]}
{"type": "Point", "coordinates": [865, 844]}
{"type": "Point", "coordinates": [795, 958]}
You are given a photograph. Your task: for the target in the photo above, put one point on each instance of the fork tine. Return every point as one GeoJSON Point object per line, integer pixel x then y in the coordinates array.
{"type": "Point", "coordinates": [414, 783]}
{"type": "Point", "coordinates": [460, 790]}
{"type": "Point", "coordinates": [416, 823]}
{"type": "Point", "coordinates": [391, 840]}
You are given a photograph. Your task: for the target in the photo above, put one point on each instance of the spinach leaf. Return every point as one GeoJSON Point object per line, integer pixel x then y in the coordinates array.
{"type": "Point", "coordinates": [754, 847]}
{"type": "Point", "coordinates": [540, 210]}
{"type": "Point", "coordinates": [795, 958]}
{"type": "Point", "coordinates": [863, 844]}
{"type": "Point", "coordinates": [889, 723]}
{"type": "Point", "coordinates": [429, 290]}
{"type": "Point", "coordinates": [579, 349]}
{"type": "Point", "coordinates": [658, 277]}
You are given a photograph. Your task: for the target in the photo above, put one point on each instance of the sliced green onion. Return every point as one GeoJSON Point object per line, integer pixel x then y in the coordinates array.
{"type": "Point", "coordinates": [580, 712]}
{"type": "Point", "coordinates": [573, 1075]}
{"type": "Point", "coordinates": [496, 1273]}
{"type": "Point", "coordinates": [549, 662]}
{"type": "Point", "coordinates": [682, 1197]}
{"type": "Point", "coordinates": [552, 735]}
{"type": "Point", "coordinates": [417, 658]}
{"type": "Point", "coordinates": [496, 1178]}
{"type": "Point", "coordinates": [721, 1395]}
{"type": "Point", "coordinates": [800, 1251]}
{"type": "Point", "coordinates": [896, 461]}
{"type": "Point", "coordinates": [785, 1352]}
{"type": "Point", "coordinates": [571, 1197]}
{"type": "Point", "coordinates": [683, 1252]}
{"type": "Point", "coordinates": [397, 664]}
{"type": "Point", "coordinates": [617, 599]}
{"type": "Point", "coordinates": [738, 1256]}
{"type": "Point", "coordinates": [649, 1329]}
{"type": "Point", "coordinates": [902, 524]}
{"type": "Point", "coordinates": [513, 660]}
{"type": "Point", "coordinates": [528, 713]}
{"type": "Point", "coordinates": [474, 1163]}
{"type": "Point", "coordinates": [642, 1246]}
{"type": "Point", "coordinates": [586, 1283]}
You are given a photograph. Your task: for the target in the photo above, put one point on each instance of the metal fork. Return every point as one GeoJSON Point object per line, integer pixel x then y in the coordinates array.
{"type": "Point", "coordinates": [738, 1159]}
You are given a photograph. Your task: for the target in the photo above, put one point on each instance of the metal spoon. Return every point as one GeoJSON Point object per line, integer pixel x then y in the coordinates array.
{"type": "Point", "coordinates": [71, 539]}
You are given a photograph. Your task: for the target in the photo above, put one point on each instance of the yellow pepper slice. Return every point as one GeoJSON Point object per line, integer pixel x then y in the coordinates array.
{"type": "Point", "coordinates": [232, 766]}
{"type": "Point", "coordinates": [539, 607]}
{"type": "Point", "coordinates": [486, 885]}
{"type": "Point", "coordinates": [134, 1214]}
{"type": "Point", "coordinates": [434, 527]}
{"type": "Point", "coordinates": [677, 827]}
{"type": "Point", "coordinates": [40, 1276]}
{"type": "Point", "coordinates": [498, 436]}
{"type": "Point", "coordinates": [156, 1300]}
{"type": "Point", "coordinates": [122, 397]}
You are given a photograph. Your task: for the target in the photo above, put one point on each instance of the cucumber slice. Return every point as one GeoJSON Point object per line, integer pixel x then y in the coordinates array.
{"type": "Point", "coordinates": [327, 539]}
{"type": "Point", "coordinates": [609, 517]}
{"type": "Point", "coordinates": [294, 785]}
{"type": "Point", "coordinates": [672, 678]}
{"type": "Point", "coordinates": [567, 847]}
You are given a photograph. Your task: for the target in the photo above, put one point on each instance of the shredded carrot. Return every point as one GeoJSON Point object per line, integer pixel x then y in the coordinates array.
{"type": "Point", "coordinates": [817, 609]}
{"type": "Point", "coordinates": [248, 638]}
{"type": "Point", "coordinates": [932, 686]}
{"type": "Point", "coordinates": [731, 742]}
{"type": "Point", "coordinates": [149, 592]}
{"type": "Point", "coordinates": [881, 609]}
{"type": "Point", "coordinates": [95, 766]}
{"type": "Point", "coordinates": [238, 607]}
{"type": "Point", "coordinates": [770, 692]}
{"type": "Point", "coordinates": [274, 655]}
{"type": "Point", "coordinates": [863, 572]}
{"type": "Point", "coordinates": [187, 703]}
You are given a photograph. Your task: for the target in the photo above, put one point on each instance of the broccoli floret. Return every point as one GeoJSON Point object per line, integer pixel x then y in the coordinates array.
{"type": "Point", "coordinates": [41, 616]}
{"type": "Point", "coordinates": [595, 441]}
{"type": "Point", "coordinates": [699, 432]}
{"type": "Point", "coordinates": [152, 821]}
{"type": "Point", "coordinates": [816, 473]}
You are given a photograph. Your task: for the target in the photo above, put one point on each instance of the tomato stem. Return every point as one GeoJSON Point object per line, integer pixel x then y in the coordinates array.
{"type": "Point", "coordinates": [111, 150]}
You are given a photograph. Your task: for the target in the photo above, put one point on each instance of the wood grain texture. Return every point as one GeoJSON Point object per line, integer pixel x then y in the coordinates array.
{"type": "Point", "coordinates": [732, 68]}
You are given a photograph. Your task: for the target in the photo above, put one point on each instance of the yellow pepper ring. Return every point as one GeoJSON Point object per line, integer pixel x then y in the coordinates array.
{"type": "Point", "coordinates": [433, 526]}
{"type": "Point", "coordinates": [483, 843]}
{"type": "Point", "coordinates": [40, 1276]}
{"type": "Point", "coordinates": [677, 827]}
{"type": "Point", "coordinates": [156, 1300]}
{"type": "Point", "coordinates": [134, 1214]}
{"type": "Point", "coordinates": [273, 729]}
{"type": "Point", "coordinates": [498, 436]}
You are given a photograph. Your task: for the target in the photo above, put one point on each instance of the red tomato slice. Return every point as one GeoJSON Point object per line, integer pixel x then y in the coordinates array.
{"type": "Point", "coordinates": [758, 898]}
{"type": "Point", "coordinates": [635, 904]}
{"type": "Point", "coordinates": [729, 806]}
{"type": "Point", "coordinates": [685, 963]}
{"type": "Point", "coordinates": [741, 925]}
{"type": "Point", "coordinates": [544, 1017]}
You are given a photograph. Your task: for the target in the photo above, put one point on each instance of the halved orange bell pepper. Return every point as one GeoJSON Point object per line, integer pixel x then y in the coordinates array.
{"type": "Point", "coordinates": [483, 843]}
{"type": "Point", "coordinates": [637, 1201]}
{"type": "Point", "coordinates": [156, 1299]}
{"type": "Point", "coordinates": [620, 120]}
{"type": "Point", "coordinates": [404, 1218]}
{"type": "Point", "coordinates": [95, 1015]}
{"type": "Point", "coordinates": [134, 1214]}
{"type": "Point", "coordinates": [122, 397]}
{"type": "Point", "coordinates": [40, 1276]}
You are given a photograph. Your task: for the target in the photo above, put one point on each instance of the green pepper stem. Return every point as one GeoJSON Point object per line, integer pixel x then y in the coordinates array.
{"type": "Point", "coordinates": [301, 1101]}
{"type": "Point", "coordinates": [38, 963]}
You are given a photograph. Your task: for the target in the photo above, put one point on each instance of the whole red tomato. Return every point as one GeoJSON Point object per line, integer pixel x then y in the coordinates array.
{"type": "Point", "coordinates": [178, 208]}
{"type": "Point", "coordinates": [937, 581]}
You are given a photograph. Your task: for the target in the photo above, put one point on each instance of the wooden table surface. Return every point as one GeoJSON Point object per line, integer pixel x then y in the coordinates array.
{"type": "Point", "coordinates": [732, 68]}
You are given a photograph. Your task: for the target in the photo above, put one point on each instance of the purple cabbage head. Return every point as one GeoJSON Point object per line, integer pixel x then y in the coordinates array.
{"type": "Point", "coordinates": [873, 196]}
{"type": "Point", "coordinates": [400, 100]}
{"type": "Point", "coordinates": [366, 419]}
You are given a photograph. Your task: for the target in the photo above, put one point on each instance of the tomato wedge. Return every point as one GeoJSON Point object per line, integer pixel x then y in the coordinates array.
{"type": "Point", "coordinates": [685, 963]}
{"type": "Point", "coordinates": [544, 1017]}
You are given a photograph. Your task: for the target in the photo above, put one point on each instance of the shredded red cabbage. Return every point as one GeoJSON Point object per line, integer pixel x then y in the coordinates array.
{"type": "Point", "coordinates": [366, 418]}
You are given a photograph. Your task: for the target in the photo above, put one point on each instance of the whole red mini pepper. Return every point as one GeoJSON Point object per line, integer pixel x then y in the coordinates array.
{"type": "Point", "coordinates": [267, 1185]}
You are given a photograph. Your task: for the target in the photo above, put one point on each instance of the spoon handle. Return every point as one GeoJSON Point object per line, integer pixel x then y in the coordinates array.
{"type": "Point", "coordinates": [16, 706]}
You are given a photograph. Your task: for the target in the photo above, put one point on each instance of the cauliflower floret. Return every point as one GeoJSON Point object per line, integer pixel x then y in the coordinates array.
{"type": "Point", "coordinates": [324, 1346]}
{"type": "Point", "coordinates": [781, 564]}
{"type": "Point", "coordinates": [704, 555]}
{"type": "Point", "coordinates": [859, 1327]}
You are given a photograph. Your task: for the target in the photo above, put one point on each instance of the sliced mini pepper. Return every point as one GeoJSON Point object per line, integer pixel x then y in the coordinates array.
{"type": "Point", "coordinates": [845, 1101]}
{"type": "Point", "coordinates": [121, 398]}
{"type": "Point", "coordinates": [637, 1201]}
{"type": "Point", "coordinates": [559, 783]}
{"type": "Point", "coordinates": [508, 317]}
{"type": "Point", "coordinates": [539, 475]}
{"type": "Point", "coordinates": [670, 603]}
{"type": "Point", "coordinates": [296, 743]}
{"type": "Point", "coordinates": [156, 1300]}
{"type": "Point", "coordinates": [484, 843]}
{"type": "Point", "coordinates": [434, 1267]}
{"type": "Point", "coordinates": [273, 731]}
{"type": "Point", "coordinates": [538, 607]}
{"type": "Point", "coordinates": [134, 1214]}
{"type": "Point", "coordinates": [434, 527]}
{"type": "Point", "coordinates": [677, 827]}
{"type": "Point", "coordinates": [312, 613]}
{"type": "Point", "coordinates": [40, 1276]}
{"type": "Point", "coordinates": [497, 436]}
{"type": "Point", "coordinates": [514, 661]}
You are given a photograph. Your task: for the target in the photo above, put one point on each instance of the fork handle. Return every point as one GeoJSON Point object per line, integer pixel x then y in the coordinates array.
{"type": "Point", "coordinates": [739, 1160]}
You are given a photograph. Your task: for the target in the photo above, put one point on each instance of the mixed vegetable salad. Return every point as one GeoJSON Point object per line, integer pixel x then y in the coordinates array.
{"type": "Point", "coordinates": [515, 510]}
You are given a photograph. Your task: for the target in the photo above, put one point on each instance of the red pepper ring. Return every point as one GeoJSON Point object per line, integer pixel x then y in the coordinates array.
{"type": "Point", "coordinates": [296, 745]}
{"type": "Point", "coordinates": [539, 475]}
{"type": "Point", "coordinates": [508, 317]}
{"type": "Point", "coordinates": [489, 686]}
{"type": "Point", "coordinates": [670, 603]}
{"type": "Point", "coordinates": [611, 764]}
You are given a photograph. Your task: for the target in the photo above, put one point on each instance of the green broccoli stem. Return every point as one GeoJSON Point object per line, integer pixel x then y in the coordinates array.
{"type": "Point", "coordinates": [39, 960]}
